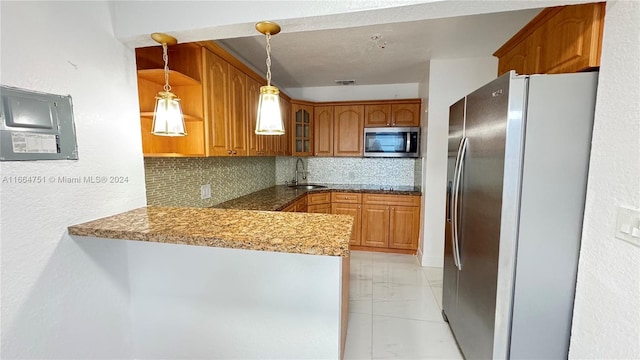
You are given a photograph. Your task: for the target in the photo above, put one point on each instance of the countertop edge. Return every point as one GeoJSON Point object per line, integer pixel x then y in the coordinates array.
{"type": "Point", "coordinates": [86, 229]}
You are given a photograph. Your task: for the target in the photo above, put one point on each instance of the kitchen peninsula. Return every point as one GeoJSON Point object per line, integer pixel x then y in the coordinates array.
{"type": "Point", "coordinates": [386, 218]}
{"type": "Point", "coordinates": [232, 283]}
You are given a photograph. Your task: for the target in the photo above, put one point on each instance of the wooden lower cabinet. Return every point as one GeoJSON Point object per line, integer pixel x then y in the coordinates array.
{"type": "Point", "coordinates": [382, 222]}
{"type": "Point", "coordinates": [301, 205]}
{"type": "Point", "coordinates": [319, 208]}
{"type": "Point", "coordinates": [375, 226]}
{"type": "Point", "coordinates": [390, 221]}
{"type": "Point", "coordinates": [404, 227]}
{"type": "Point", "coordinates": [354, 210]}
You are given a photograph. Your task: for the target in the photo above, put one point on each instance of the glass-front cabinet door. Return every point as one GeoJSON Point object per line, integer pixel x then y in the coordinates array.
{"type": "Point", "coordinates": [302, 129]}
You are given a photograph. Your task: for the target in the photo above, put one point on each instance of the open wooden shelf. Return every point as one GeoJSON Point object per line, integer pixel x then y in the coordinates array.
{"type": "Point", "coordinates": [175, 78]}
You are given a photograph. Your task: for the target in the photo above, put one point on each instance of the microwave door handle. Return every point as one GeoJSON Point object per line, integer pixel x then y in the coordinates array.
{"type": "Point", "coordinates": [408, 142]}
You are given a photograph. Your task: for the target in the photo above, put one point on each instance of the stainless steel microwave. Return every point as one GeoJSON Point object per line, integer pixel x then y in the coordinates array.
{"type": "Point", "coordinates": [392, 142]}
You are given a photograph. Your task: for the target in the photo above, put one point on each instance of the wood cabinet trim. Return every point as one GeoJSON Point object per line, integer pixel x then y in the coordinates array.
{"type": "Point", "coordinates": [346, 197]}
{"type": "Point", "coordinates": [363, 102]}
{"type": "Point", "coordinates": [391, 200]}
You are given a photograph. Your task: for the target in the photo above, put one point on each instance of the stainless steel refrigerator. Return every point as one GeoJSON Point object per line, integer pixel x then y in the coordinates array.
{"type": "Point", "coordinates": [518, 160]}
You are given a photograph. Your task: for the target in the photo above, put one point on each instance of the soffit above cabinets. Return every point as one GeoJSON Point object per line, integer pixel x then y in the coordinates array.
{"type": "Point", "coordinates": [378, 54]}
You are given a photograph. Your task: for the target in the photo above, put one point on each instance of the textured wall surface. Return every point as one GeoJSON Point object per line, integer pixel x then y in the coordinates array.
{"type": "Point", "coordinates": [64, 297]}
{"type": "Point", "coordinates": [340, 170]}
{"type": "Point", "coordinates": [176, 181]}
{"type": "Point", "coordinates": [606, 319]}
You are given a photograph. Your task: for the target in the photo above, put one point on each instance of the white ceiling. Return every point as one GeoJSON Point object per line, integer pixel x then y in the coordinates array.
{"type": "Point", "coordinates": [318, 58]}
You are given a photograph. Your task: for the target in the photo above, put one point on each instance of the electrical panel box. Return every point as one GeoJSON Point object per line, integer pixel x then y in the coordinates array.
{"type": "Point", "coordinates": [36, 126]}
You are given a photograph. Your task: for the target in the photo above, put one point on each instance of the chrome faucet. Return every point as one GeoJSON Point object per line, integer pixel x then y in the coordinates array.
{"type": "Point", "coordinates": [304, 173]}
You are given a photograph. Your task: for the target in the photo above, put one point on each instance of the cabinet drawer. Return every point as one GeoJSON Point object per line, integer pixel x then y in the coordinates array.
{"type": "Point", "coordinates": [349, 198]}
{"type": "Point", "coordinates": [385, 199]}
{"type": "Point", "coordinates": [320, 198]}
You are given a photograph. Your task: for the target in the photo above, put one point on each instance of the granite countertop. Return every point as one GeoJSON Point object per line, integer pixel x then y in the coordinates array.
{"type": "Point", "coordinates": [302, 233]}
{"type": "Point", "coordinates": [279, 197]}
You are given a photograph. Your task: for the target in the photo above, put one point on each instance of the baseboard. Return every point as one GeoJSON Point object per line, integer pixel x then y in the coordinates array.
{"type": "Point", "coordinates": [384, 250]}
{"type": "Point", "coordinates": [430, 261]}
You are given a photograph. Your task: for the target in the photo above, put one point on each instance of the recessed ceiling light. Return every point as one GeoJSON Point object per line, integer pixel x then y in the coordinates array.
{"type": "Point", "coordinates": [345, 82]}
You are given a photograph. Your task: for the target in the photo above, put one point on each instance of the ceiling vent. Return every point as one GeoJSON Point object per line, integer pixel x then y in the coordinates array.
{"type": "Point", "coordinates": [345, 82]}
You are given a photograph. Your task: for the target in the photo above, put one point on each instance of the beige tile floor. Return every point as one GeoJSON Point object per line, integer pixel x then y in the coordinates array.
{"type": "Point", "coordinates": [394, 310]}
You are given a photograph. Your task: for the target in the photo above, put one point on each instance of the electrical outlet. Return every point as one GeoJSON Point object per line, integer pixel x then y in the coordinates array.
{"type": "Point", "coordinates": [205, 191]}
{"type": "Point", "coordinates": [628, 225]}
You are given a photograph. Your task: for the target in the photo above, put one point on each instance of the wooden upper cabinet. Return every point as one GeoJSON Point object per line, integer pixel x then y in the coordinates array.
{"type": "Point", "coordinates": [258, 145]}
{"type": "Point", "coordinates": [560, 39]}
{"type": "Point", "coordinates": [323, 130]}
{"type": "Point", "coordinates": [216, 84]}
{"type": "Point", "coordinates": [392, 114]}
{"type": "Point", "coordinates": [301, 129]}
{"type": "Point", "coordinates": [377, 115]}
{"type": "Point", "coordinates": [185, 80]}
{"type": "Point", "coordinates": [574, 39]}
{"type": "Point", "coordinates": [282, 143]}
{"type": "Point", "coordinates": [237, 112]}
{"type": "Point", "coordinates": [405, 115]}
{"type": "Point", "coordinates": [348, 129]}
{"type": "Point", "coordinates": [524, 58]}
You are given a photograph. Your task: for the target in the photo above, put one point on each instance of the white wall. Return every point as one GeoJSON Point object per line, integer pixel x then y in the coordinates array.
{"type": "Point", "coordinates": [355, 92]}
{"type": "Point", "coordinates": [243, 304]}
{"type": "Point", "coordinates": [63, 298]}
{"type": "Point", "coordinates": [606, 321]}
{"type": "Point", "coordinates": [449, 80]}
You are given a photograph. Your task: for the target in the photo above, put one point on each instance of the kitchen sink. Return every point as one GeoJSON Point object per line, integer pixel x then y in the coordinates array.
{"type": "Point", "coordinates": [309, 186]}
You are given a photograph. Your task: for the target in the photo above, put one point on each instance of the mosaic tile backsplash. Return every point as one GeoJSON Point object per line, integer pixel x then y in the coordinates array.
{"type": "Point", "coordinates": [177, 181]}
{"type": "Point", "coordinates": [340, 170]}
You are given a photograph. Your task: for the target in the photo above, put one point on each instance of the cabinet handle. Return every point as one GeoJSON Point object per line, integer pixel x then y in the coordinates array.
{"type": "Point", "coordinates": [229, 152]}
{"type": "Point", "coordinates": [235, 152]}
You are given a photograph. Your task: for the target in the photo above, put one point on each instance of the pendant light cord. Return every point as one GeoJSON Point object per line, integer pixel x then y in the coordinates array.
{"type": "Point", "coordinates": [165, 57]}
{"type": "Point", "coordinates": [268, 59]}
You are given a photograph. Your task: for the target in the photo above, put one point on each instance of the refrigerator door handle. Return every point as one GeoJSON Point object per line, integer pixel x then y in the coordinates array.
{"type": "Point", "coordinates": [456, 199]}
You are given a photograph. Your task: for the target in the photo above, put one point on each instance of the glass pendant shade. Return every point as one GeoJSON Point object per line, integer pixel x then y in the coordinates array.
{"type": "Point", "coordinates": [269, 120]}
{"type": "Point", "coordinates": [167, 116]}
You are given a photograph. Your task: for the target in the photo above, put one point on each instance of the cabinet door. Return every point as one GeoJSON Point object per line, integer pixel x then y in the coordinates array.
{"type": "Point", "coordinates": [237, 112]}
{"type": "Point", "coordinates": [377, 115]}
{"type": "Point", "coordinates": [375, 225]}
{"type": "Point", "coordinates": [302, 129]}
{"type": "Point", "coordinates": [524, 58]}
{"type": "Point", "coordinates": [348, 129]}
{"type": "Point", "coordinates": [405, 115]}
{"type": "Point", "coordinates": [216, 84]}
{"type": "Point", "coordinates": [404, 224]}
{"type": "Point", "coordinates": [354, 210]}
{"type": "Point", "coordinates": [301, 205]}
{"type": "Point", "coordinates": [573, 39]}
{"type": "Point", "coordinates": [253, 96]}
{"type": "Point", "coordinates": [323, 130]}
{"type": "Point", "coordinates": [319, 209]}
{"type": "Point", "coordinates": [283, 146]}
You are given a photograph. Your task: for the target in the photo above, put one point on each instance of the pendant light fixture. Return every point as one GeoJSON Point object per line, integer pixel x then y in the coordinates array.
{"type": "Point", "coordinates": [167, 115]}
{"type": "Point", "coordinates": [269, 121]}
